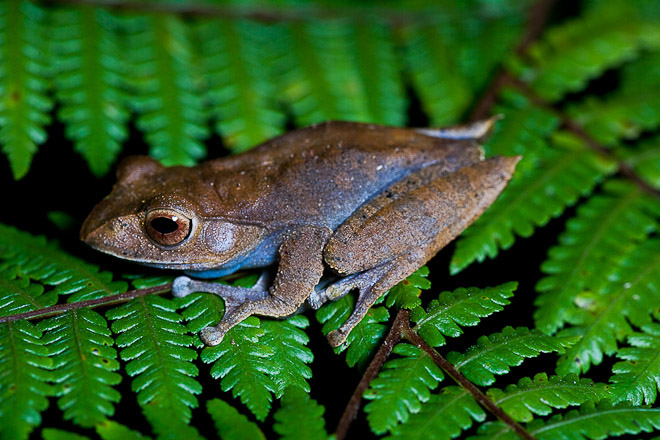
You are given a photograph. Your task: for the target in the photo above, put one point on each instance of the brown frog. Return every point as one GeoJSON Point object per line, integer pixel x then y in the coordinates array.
{"type": "Point", "coordinates": [371, 203]}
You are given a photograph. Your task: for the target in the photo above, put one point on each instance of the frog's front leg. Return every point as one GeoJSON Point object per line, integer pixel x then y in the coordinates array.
{"type": "Point", "coordinates": [300, 269]}
{"type": "Point", "coordinates": [394, 234]}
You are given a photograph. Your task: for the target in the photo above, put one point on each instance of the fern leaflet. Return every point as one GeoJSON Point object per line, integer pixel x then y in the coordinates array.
{"type": "Point", "coordinates": [235, 58]}
{"type": "Point", "coordinates": [602, 319]}
{"type": "Point", "coordinates": [24, 80]}
{"type": "Point", "coordinates": [497, 353]}
{"type": "Point", "coordinates": [592, 421]}
{"type": "Point", "coordinates": [38, 259]}
{"type": "Point", "coordinates": [562, 174]}
{"type": "Point", "coordinates": [462, 307]}
{"type": "Point", "coordinates": [89, 86]}
{"type": "Point", "coordinates": [637, 379]}
{"type": "Point", "coordinates": [84, 362]}
{"type": "Point", "coordinates": [402, 386]}
{"type": "Point", "coordinates": [405, 295]}
{"type": "Point", "coordinates": [299, 418]}
{"type": "Point", "coordinates": [110, 430]}
{"type": "Point", "coordinates": [230, 424]}
{"type": "Point", "coordinates": [155, 346]}
{"type": "Point", "coordinates": [645, 160]}
{"type": "Point", "coordinates": [602, 233]}
{"type": "Point", "coordinates": [444, 416]}
{"type": "Point", "coordinates": [58, 434]}
{"type": "Point", "coordinates": [18, 295]}
{"type": "Point", "coordinates": [542, 394]}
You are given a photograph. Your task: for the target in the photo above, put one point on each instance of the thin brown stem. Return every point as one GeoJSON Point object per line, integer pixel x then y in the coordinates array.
{"type": "Point", "coordinates": [538, 17]}
{"type": "Point", "coordinates": [351, 410]}
{"type": "Point", "coordinates": [98, 302]}
{"type": "Point", "coordinates": [478, 395]}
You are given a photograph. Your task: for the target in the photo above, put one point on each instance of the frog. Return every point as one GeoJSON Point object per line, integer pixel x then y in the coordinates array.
{"type": "Point", "coordinates": [364, 204]}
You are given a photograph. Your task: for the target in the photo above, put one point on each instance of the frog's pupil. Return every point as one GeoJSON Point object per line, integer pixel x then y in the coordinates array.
{"type": "Point", "coordinates": [164, 225]}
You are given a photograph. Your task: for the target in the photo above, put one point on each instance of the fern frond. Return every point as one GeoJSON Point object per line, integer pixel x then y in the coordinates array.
{"type": "Point", "coordinates": [230, 424]}
{"type": "Point", "coordinates": [497, 353]}
{"type": "Point", "coordinates": [38, 259]}
{"type": "Point", "coordinates": [90, 86]}
{"type": "Point", "coordinates": [299, 417]}
{"type": "Point", "coordinates": [572, 54]}
{"type": "Point", "coordinates": [401, 387]}
{"type": "Point", "coordinates": [18, 295]}
{"type": "Point", "coordinates": [109, 430]}
{"type": "Point", "coordinates": [563, 173]}
{"type": "Point", "coordinates": [24, 81]}
{"type": "Point", "coordinates": [319, 73]}
{"type": "Point", "coordinates": [542, 394]}
{"type": "Point", "coordinates": [605, 229]}
{"type": "Point", "coordinates": [290, 352]}
{"type": "Point", "coordinates": [236, 57]}
{"type": "Point", "coordinates": [245, 366]}
{"type": "Point", "coordinates": [405, 295]}
{"type": "Point", "coordinates": [444, 416]}
{"type": "Point", "coordinates": [462, 307]}
{"type": "Point", "coordinates": [155, 346]}
{"type": "Point", "coordinates": [602, 319]}
{"type": "Point", "coordinates": [645, 160]}
{"type": "Point", "coordinates": [637, 380]}
{"type": "Point", "coordinates": [59, 434]}
{"type": "Point", "coordinates": [24, 365]}
{"type": "Point", "coordinates": [381, 78]}
{"type": "Point", "coordinates": [169, 99]}
{"type": "Point", "coordinates": [592, 421]}
{"type": "Point", "coordinates": [363, 340]}
{"type": "Point", "coordinates": [84, 365]}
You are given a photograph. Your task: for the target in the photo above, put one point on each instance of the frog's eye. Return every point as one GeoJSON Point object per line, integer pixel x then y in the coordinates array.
{"type": "Point", "coordinates": [167, 227]}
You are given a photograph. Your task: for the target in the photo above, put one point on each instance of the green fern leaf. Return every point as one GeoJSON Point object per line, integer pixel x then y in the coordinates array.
{"type": "Point", "coordinates": [290, 352]}
{"type": "Point", "coordinates": [644, 159]}
{"type": "Point", "coordinates": [109, 430]}
{"type": "Point", "coordinates": [89, 85]}
{"type": "Point", "coordinates": [235, 57]}
{"type": "Point", "coordinates": [363, 341]}
{"type": "Point", "coordinates": [18, 295]}
{"type": "Point", "coordinates": [601, 421]}
{"type": "Point", "coordinates": [24, 81]}
{"type": "Point", "coordinates": [58, 434]}
{"type": "Point", "coordinates": [230, 424]}
{"type": "Point", "coordinates": [200, 310]}
{"type": "Point", "coordinates": [320, 78]}
{"type": "Point", "coordinates": [541, 394]}
{"type": "Point", "coordinates": [155, 346]}
{"type": "Point", "coordinates": [24, 363]}
{"type": "Point", "coordinates": [84, 362]}
{"type": "Point", "coordinates": [244, 364]}
{"type": "Point", "coordinates": [35, 258]}
{"type": "Point", "coordinates": [405, 295]}
{"type": "Point", "coordinates": [601, 319]}
{"type": "Point", "coordinates": [444, 416]}
{"type": "Point", "coordinates": [379, 73]}
{"type": "Point", "coordinates": [582, 49]}
{"type": "Point", "coordinates": [462, 307]}
{"type": "Point", "coordinates": [497, 353]}
{"type": "Point", "coordinates": [603, 232]}
{"type": "Point", "coordinates": [638, 378]}
{"type": "Point", "coordinates": [299, 418]}
{"type": "Point", "coordinates": [562, 175]}
{"type": "Point", "coordinates": [402, 386]}
{"type": "Point", "coordinates": [169, 99]}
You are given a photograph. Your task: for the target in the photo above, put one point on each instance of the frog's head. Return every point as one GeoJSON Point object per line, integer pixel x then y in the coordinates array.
{"type": "Point", "coordinates": [167, 218]}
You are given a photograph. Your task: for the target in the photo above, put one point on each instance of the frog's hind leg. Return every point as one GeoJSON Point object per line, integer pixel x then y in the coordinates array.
{"type": "Point", "coordinates": [384, 242]}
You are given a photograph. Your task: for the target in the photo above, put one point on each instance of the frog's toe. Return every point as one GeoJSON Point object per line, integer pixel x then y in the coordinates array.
{"type": "Point", "coordinates": [182, 286]}
{"type": "Point", "coordinates": [211, 336]}
{"type": "Point", "coordinates": [337, 337]}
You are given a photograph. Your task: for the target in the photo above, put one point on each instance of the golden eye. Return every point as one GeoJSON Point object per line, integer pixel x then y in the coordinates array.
{"type": "Point", "coordinates": [167, 227]}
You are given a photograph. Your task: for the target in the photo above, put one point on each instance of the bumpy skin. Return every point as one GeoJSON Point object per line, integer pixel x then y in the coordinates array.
{"type": "Point", "coordinates": [372, 203]}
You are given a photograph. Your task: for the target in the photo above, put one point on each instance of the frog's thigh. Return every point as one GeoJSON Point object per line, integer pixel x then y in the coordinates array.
{"type": "Point", "coordinates": [299, 270]}
{"type": "Point", "coordinates": [405, 234]}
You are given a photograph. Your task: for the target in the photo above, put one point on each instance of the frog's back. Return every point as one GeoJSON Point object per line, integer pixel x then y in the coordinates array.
{"type": "Point", "coordinates": [323, 173]}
